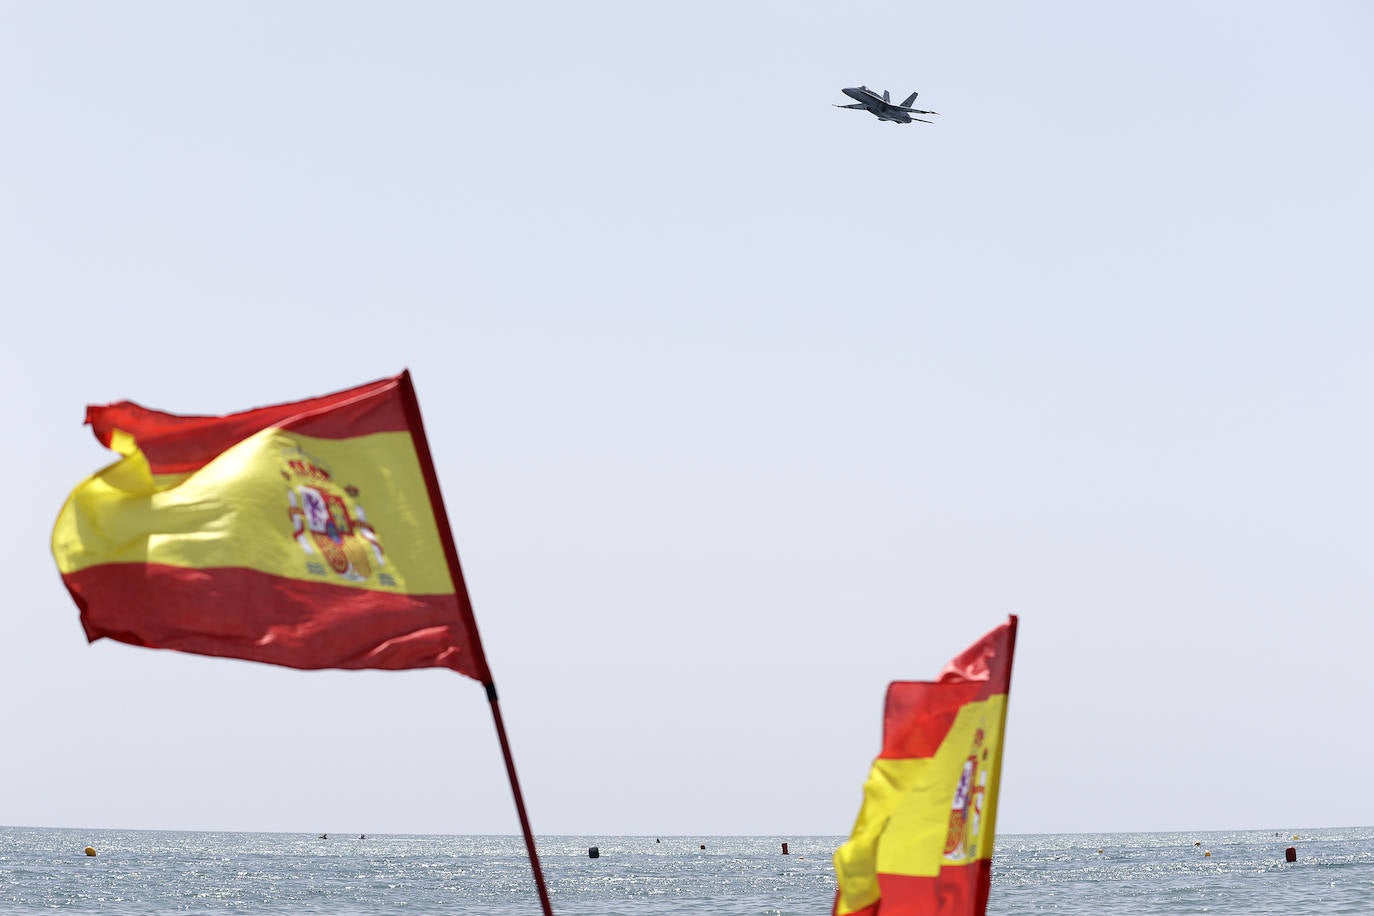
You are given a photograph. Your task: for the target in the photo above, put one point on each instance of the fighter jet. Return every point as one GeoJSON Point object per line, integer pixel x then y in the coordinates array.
{"type": "Point", "coordinates": [882, 106]}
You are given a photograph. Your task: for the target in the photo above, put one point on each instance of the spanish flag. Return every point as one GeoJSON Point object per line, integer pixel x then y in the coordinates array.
{"type": "Point", "coordinates": [923, 842]}
{"type": "Point", "coordinates": [310, 534]}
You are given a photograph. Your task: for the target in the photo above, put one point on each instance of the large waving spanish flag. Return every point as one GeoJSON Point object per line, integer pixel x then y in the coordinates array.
{"type": "Point", "coordinates": [923, 841]}
{"type": "Point", "coordinates": [309, 534]}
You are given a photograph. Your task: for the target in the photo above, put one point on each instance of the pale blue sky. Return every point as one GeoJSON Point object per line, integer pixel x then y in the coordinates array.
{"type": "Point", "coordinates": [743, 405]}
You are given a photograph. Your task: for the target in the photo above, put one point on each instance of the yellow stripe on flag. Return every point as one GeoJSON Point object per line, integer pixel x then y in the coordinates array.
{"type": "Point", "coordinates": [267, 504]}
{"type": "Point", "coordinates": [918, 796]}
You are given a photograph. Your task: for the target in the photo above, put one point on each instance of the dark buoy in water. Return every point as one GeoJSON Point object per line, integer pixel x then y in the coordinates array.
{"type": "Point", "coordinates": [594, 852]}
{"type": "Point", "coordinates": [784, 849]}
{"type": "Point", "coordinates": [1290, 854]}
{"type": "Point", "coordinates": [703, 845]}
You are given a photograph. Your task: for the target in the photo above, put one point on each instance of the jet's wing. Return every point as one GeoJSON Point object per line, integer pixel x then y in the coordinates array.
{"type": "Point", "coordinates": [855, 105]}
{"type": "Point", "coordinates": [914, 110]}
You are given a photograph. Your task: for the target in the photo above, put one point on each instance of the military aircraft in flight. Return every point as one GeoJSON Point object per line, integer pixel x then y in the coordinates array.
{"type": "Point", "coordinates": [881, 106]}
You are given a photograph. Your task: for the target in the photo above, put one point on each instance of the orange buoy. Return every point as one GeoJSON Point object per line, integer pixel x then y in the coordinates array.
{"type": "Point", "coordinates": [90, 850]}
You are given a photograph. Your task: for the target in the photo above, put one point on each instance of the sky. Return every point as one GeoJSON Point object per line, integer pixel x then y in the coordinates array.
{"type": "Point", "coordinates": [742, 405]}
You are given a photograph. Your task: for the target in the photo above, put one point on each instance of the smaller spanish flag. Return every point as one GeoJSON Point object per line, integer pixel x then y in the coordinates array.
{"type": "Point", "coordinates": [310, 534]}
{"type": "Point", "coordinates": [922, 844]}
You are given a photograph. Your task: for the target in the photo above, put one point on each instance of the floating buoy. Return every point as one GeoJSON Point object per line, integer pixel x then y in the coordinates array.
{"type": "Point", "coordinates": [594, 853]}
{"type": "Point", "coordinates": [90, 850]}
{"type": "Point", "coordinates": [1198, 843]}
{"type": "Point", "coordinates": [1290, 854]}
{"type": "Point", "coordinates": [784, 849]}
{"type": "Point", "coordinates": [703, 845]}
{"type": "Point", "coordinates": [1099, 852]}
{"type": "Point", "coordinates": [1207, 855]}
{"type": "Point", "coordinates": [1295, 836]}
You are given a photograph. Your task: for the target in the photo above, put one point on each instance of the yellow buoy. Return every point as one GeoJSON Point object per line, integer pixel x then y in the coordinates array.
{"type": "Point", "coordinates": [1295, 836]}
{"type": "Point", "coordinates": [90, 850]}
{"type": "Point", "coordinates": [1207, 855]}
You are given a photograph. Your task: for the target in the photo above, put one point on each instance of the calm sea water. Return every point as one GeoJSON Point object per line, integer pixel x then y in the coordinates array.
{"type": "Point", "coordinates": [155, 872]}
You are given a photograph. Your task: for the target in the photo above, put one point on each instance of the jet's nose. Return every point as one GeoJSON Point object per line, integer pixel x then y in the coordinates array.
{"type": "Point", "coordinates": [853, 93]}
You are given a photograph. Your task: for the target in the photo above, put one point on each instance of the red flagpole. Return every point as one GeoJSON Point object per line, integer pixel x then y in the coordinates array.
{"type": "Point", "coordinates": [519, 801]}
{"type": "Point", "coordinates": [417, 432]}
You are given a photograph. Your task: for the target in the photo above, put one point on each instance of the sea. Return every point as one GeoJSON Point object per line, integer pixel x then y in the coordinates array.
{"type": "Point", "coordinates": [154, 872]}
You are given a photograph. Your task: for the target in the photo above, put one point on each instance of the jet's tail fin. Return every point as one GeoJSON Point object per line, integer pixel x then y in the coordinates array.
{"type": "Point", "coordinates": [909, 99]}
{"type": "Point", "coordinates": [886, 97]}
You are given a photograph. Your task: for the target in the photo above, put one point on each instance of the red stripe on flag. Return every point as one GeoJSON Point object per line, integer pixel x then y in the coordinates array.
{"type": "Point", "coordinates": [232, 612]}
{"type": "Point", "coordinates": [959, 890]}
{"type": "Point", "coordinates": [987, 661]}
{"type": "Point", "coordinates": [177, 444]}
{"type": "Point", "coordinates": [919, 714]}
